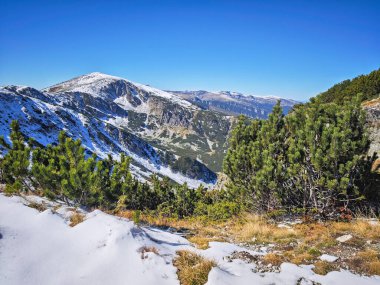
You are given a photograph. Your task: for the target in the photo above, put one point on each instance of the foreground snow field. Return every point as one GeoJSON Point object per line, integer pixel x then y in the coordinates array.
{"type": "Point", "coordinates": [41, 248]}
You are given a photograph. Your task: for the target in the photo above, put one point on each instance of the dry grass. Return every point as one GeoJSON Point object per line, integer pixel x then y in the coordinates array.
{"type": "Point", "coordinates": [146, 249]}
{"type": "Point", "coordinates": [202, 242]}
{"type": "Point", "coordinates": [301, 258]}
{"type": "Point", "coordinates": [256, 229]}
{"type": "Point", "coordinates": [323, 267]}
{"type": "Point", "coordinates": [376, 165]}
{"type": "Point", "coordinates": [38, 206]}
{"type": "Point", "coordinates": [193, 269]}
{"type": "Point", "coordinates": [76, 219]}
{"type": "Point", "coordinates": [202, 231]}
{"type": "Point", "coordinates": [161, 221]}
{"type": "Point", "coordinates": [360, 228]}
{"type": "Point", "coordinates": [371, 103]}
{"type": "Point", "coordinates": [301, 244]}
{"type": "Point", "coordinates": [274, 259]}
{"type": "Point", "coordinates": [373, 268]}
{"type": "Point", "coordinates": [367, 261]}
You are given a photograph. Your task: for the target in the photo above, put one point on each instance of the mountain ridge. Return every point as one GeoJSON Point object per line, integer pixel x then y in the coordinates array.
{"type": "Point", "coordinates": [235, 103]}
{"type": "Point", "coordinates": [162, 132]}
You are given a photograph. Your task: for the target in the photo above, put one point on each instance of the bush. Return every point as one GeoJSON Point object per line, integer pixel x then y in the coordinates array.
{"type": "Point", "coordinates": [222, 210]}
{"type": "Point", "coordinates": [136, 217]}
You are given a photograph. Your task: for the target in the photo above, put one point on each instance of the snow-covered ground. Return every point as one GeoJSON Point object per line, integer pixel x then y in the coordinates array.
{"type": "Point", "coordinates": [41, 248]}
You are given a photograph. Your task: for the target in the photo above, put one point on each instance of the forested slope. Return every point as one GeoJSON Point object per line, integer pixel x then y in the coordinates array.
{"type": "Point", "coordinates": [368, 85]}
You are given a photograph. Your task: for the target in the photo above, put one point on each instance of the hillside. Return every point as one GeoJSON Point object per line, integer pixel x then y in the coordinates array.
{"type": "Point", "coordinates": [368, 85]}
{"type": "Point", "coordinates": [162, 132]}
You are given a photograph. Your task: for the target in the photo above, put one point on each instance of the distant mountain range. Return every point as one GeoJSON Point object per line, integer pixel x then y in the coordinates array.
{"type": "Point", "coordinates": [179, 134]}
{"type": "Point", "coordinates": [234, 103]}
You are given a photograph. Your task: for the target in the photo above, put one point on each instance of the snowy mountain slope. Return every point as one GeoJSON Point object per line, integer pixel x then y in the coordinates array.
{"type": "Point", "coordinates": [162, 132]}
{"type": "Point", "coordinates": [234, 103]}
{"type": "Point", "coordinates": [99, 124]}
{"type": "Point", "coordinates": [40, 248]}
{"type": "Point", "coordinates": [164, 120]}
{"type": "Point", "coordinates": [111, 87]}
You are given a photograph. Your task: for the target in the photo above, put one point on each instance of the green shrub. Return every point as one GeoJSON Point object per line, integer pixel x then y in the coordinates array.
{"type": "Point", "coordinates": [136, 217]}
{"type": "Point", "coordinates": [223, 210]}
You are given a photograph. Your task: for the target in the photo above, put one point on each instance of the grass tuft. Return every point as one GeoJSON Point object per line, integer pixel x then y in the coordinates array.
{"type": "Point", "coordinates": [76, 219]}
{"type": "Point", "coordinates": [257, 229]}
{"type": "Point", "coordinates": [274, 259]}
{"type": "Point", "coordinates": [38, 206]}
{"type": "Point", "coordinates": [323, 267]}
{"type": "Point", "coordinates": [202, 242]}
{"type": "Point", "coordinates": [367, 261]}
{"type": "Point", "coordinates": [193, 269]}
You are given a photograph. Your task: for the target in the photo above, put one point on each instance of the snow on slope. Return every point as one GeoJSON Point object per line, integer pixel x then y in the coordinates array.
{"type": "Point", "coordinates": [41, 248]}
{"type": "Point", "coordinates": [97, 84]}
{"type": "Point", "coordinates": [235, 103]}
{"type": "Point", "coordinates": [43, 121]}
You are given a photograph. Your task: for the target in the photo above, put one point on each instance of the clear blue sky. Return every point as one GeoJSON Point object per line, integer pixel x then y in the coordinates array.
{"type": "Point", "coordinates": [293, 49]}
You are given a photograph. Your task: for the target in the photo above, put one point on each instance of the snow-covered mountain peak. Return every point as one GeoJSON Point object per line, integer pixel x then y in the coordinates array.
{"type": "Point", "coordinates": [113, 88]}
{"type": "Point", "coordinates": [95, 83]}
{"type": "Point", "coordinates": [229, 93]}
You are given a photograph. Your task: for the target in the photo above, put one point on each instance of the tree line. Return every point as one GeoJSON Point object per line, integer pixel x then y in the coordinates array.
{"type": "Point", "coordinates": [64, 171]}
{"type": "Point", "coordinates": [368, 85]}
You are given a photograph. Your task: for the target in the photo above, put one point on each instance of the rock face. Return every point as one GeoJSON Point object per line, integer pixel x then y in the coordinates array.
{"type": "Point", "coordinates": [372, 108]}
{"type": "Point", "coordinates": [162, 132]}
{"type": "Point", "coordinates": [234, 103]}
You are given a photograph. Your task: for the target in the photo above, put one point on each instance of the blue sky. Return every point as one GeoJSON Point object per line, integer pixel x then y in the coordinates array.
{"type": "Point", "coordinates": [293, 49]}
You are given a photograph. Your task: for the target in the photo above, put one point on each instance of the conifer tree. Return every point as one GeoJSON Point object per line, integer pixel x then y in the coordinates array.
{"type": "Point", "coordinates": [315, 157]}
{"type": "Point", "coordinates": [185, 200]}
{"type": "Point", "coordinates": [15, 164]}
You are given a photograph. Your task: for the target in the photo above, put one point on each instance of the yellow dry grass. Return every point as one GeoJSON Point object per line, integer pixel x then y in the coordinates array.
{"type": "Point", "coordinates": [76, 219]}
{"type": "Point", "coordinates": [371, 103]}
{"type": "Point", "coordinates": [301, 244]}
{"type": "Point", "coordinates": [367, 261]}
{"type": "Point", "coordinates": [38, 206]}
{"type": "Point", "coordinates": [361, 228]}
{"type": "Point", "coordinates": [202, 242]}
{"type": "Point", "coordinates": [256, 229]}
{"type": "Point", "coordinates": [274, 259]}
{"type": "Point", "coordinates": [373, 268]}
{"type": "Point", "coordinates": [193, 269]}
{"type": "Point", "coordinates": [323, 267]}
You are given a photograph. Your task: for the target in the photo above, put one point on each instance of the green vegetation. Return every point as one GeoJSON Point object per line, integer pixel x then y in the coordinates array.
{"type": "Point", "coordinates": [368, 85]}
{"type": "Point", "coordinates": [314, 158]}
{"type": "Point", "coordinates": [14, 166]}
{"type": "Point", "coordinates": [63, 171]}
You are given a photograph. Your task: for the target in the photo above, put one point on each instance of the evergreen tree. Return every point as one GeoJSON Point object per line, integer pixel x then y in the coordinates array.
{"type": "Point", "coordinates": [254, 161]}
{"type": "Point", "coordinates": [313, 158]}
{"type": "Point", "coordinates": [100, 184]}
{"type": "Point", "coordinates": [15, 164]}
{"type": "Point", "coordinates": [185, 200]}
